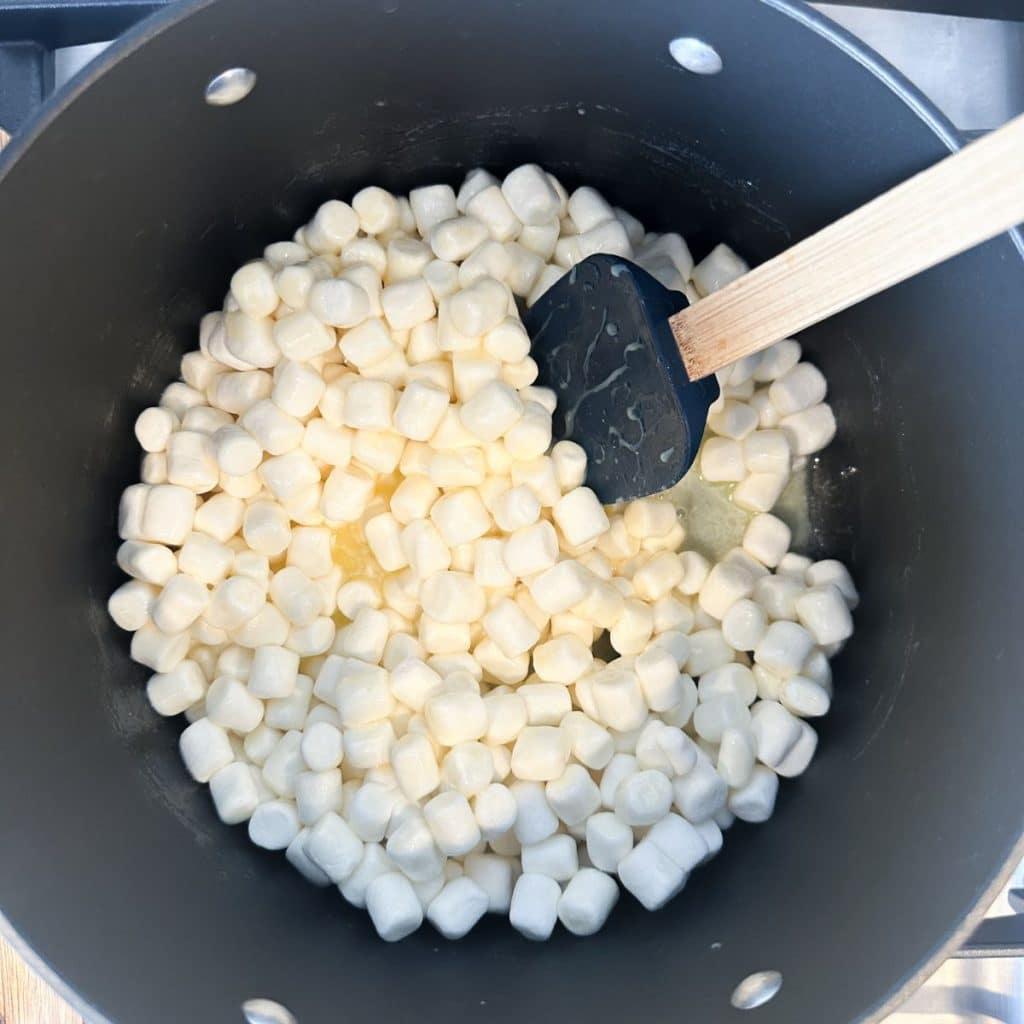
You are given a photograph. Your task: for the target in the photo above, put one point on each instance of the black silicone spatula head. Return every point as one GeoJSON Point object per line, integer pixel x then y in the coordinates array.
{"type": "Point", "coordinates": [602, 341]}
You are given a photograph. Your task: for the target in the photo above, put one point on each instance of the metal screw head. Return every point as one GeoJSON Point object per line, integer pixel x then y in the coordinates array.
{"type": "Point", "coordinates": [695, 55]}
{"type": "Point", "coordinates": [266, 1011]}
{"type": "Point", "coordinates": [230, 86]}
{"type": "Point", "coordinates": [756, 989]}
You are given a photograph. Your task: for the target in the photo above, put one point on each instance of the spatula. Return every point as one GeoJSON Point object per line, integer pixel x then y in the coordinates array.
{"type": "Point", "coordinates": [633, 363]}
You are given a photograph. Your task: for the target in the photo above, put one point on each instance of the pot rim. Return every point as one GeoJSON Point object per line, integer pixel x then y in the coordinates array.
{"type": "Point", "coordinates": [800, 12]}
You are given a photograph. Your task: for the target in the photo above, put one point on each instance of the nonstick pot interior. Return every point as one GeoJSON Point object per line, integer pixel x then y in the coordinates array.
{"type": "Point", "coordinates": [123, 214]}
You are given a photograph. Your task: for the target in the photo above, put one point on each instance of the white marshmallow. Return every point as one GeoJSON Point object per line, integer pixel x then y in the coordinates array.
{"type": "Point", "coordinates": [334, 847]}
{"type": "Point", "coordinates": [274, 671]}
{"type": "Point", "coordinates": [699, 793]}
{"type": "Point", "coordinates": [460, 517]}
{"type": "Point", "coordinates": [492, 411]}
{"type": "Point", "coordinates": [231, 705]}
{"type": "Point", "coordinates": [377, 210]}
{"type": "Point", "coordinates": [346, 494]}
{"type": "Point", "coordinates": [679, 841]}
{"type": "Point", "coordinates": [170, 693]}
{"type": "Point", "coordinates": [784, 648]}
{"type": "Point", "coordinates": [476, 180]}
{"type": "Point", "coordinates": [643, 798]}
{"type": "Point", "coordinates": [291, 712]}
{"type": "Point", "coordinates": [274, 824]}
{"type": "Point", "coordinates": [755, 801]}
{"type": "Point", "coordinates": [573, 796]}
{"type": "Point", "coordinates": [533, 910]}
{"type": "Point", "coordinates": [322, 746]}
{"type": "Point", "coordinates": [468, 768]}
{"type": "Point", "coordinates": [205, 749]}
{"type": "Point", "coordinates": [157, 650]}
{"type": "Point", "coordinates": [411, 846]}
{"type": "Point", "coordinates": [373, 863]}
{"type": "Point", "coordinates": [563, 659]}
{"type": "Point", "coordinates": [456, 717]}
{"type": "Point", "coordinates": [452, 597]}
{"type": "Point", "coordinates": [235, 793]}
{"type": "Point", "coordinates": [495, 809]}
{"type": "Point", "coordinates": [455, 238]}
{"type": "Point", "coordinates": [535, 820]}
{"type": "Point", "coordinates": [317, 793]}
{"type": "Point", "coordinates": [804, 697]}
{"type": "Point", "coordinates": [431, 205]}
{"type": "Point", "coordinates": [393, 906]}
{"type": "Point", "coordinates": [539, 754]}
{"type": "Point", "coordinates": [744, 624]}
{"type": "Point", "coordinates": [363, 695]}
{"type": "Point", "coordinates": [531, 549]}
{"type": "Point", "coordinates": [408, 303]}
{"type": "Point", "coordinates": [457, 908]}
{"type": "Point", "coordinates": [811, 429]}
{"type": "Point", "coordinates": [452, 824]}
{"type": "Point", "coordinates": [153, 428]}
{"type": "Point", "coordinates": [275, 430]}
{"type": "Point", "coordinates": [651, 875]}
{"type": "Point", "coordinates": [823, 611]}
{"type": "Point", "coordinates": [491, 207]}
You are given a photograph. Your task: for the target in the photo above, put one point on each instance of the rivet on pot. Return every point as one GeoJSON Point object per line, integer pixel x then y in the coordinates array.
{"type": "Point", "coordinates": [230, 87]}
{"type": "Point", "coordinates": [266, 1011]}
{"type": "Point", "coordinates": [695, 55]}
{"type": "Point", "coordinates": [756, 989]}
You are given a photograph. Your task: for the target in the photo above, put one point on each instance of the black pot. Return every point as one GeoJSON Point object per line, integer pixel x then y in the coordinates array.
{"type": "Point", "coordinates": [123, 209]}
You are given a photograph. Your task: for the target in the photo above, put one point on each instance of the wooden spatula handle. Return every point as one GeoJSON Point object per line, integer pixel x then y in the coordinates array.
{"type": "Point", "coordinates": [963, 200]}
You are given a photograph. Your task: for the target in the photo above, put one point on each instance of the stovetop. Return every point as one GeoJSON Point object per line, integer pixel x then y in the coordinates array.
{"type": "Point", "coordinates": [966, 55]}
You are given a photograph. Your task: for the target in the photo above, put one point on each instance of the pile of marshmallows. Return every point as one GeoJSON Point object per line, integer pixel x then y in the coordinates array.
{"type": "Point", "coordinates": [431, 730]}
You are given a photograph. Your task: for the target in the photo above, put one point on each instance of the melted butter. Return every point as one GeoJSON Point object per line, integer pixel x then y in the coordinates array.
{"type": "Point", "coordinates": [714, 524]}
{"type": "Point", "coordinates": [351, 553]}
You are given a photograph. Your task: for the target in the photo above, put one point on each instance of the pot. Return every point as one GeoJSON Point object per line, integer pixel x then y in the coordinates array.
{"type": "Point", "coordinates": [126, 204]}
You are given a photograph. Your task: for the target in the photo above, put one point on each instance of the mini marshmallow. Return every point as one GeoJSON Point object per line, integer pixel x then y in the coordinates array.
{"type": "Point", "coordinates": [546, 703]}
{"type": "Point", "coordinates": [533, 910]}
{"type": "Point", "coordinates": [679, 841]}
{"type": "Point", "coordinates": [651, 875]}
{"type": "Point", "coordinates": [275, 430]}
{"type": "Point", "coordinates": [831, 571]}
{"type": "Point", "coordinates": [456, 717]}
{"type": "Point", "coordinates": [535, 820]}
{"type": "Point", "coordinates": [452, 597]}
{"type": "Point", "coordinates": [609, 839]}
{"type": "Point", "coordinates": [657, 576]}
{"type": "Point", "coordinates": [205, 749]}
{"type": "Point", "coordinates": [317, 793]}
{"type": "Point", "coordinates": [699, 793]}
{"type": "Point", "coordinates": [235, 793]}
{"type": "Point", "coordinates": [322, 747]}
{"type": "Point", "coordinates": [468, 768]}
{"type": "Point", "coordinates": [170, 693]}
{"type": "Point", "coordinates": [643, 798]}
{"type": "Point", "coordinates": [408, 303]}
{"type": "Point", "coordinates": [496, 810]}
{"type": "Point", "coordinates": [231, 705]}
{"type": "Point", "coordinates": [563, 659]}
{"type": "Point", "coordinates": [452, 824]}
{"type": "Point", "coordinates": [784, 648]}
{"type": "Point", "coordinates": [157, 650]}
{"type": "Point", "coordinates": [363, 695]}
{"type": "Point", "coordinates": [274, 672]}
{"type": "Point", "coordinates": [411, 846]}
{"type": "Point", "coordinates": [530, 436]}
{"type": "Point", "coordinates": [393, 906]}
{"type": "Point", "coordinates": [457, 908]}
{"type": "Point", "coordinates": [455, 238]}
{"type": "Point", "coordinates": [579, 516]}
{"type": "Point", "coordinates": [804, 697]}
{"type": "Point", "coordinates": [274, 824]}
{"type": "Point", "coordinates": [153, 428]}
{"type": "Point", "coordinates": [266, 528]}
{"type": "Point", "coordinates": [539, 753]}
{"type": "Point", "coordinates": [283, 764]}
{"type": "Point", "coordinates": [531, 549]}
{"type": "Point", "coordinates": [823, 611]}
{"type": "Point", "coordinates": [573, 796]}
{"type": "Point", "coordinates": [810, 430]}
{"type": "Point", "coordinates": [373, 863]}
{"type": "Point", "coordinates": [460, 517]}
{"type": "Point", "coordinates": [346, 494]}
{"type": "Point", "coordinates": [744, 625]}
{"type": "Point", "coordinates": [334, 847]}
{"type": "Point", "coordinates": [755, 801]}
{"type": "Point", "coordinates": [633, 628]}
{"type": "Point", "coordinates": [377, 210]}
{"type": "Point", "coordinates": [431, 205]}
